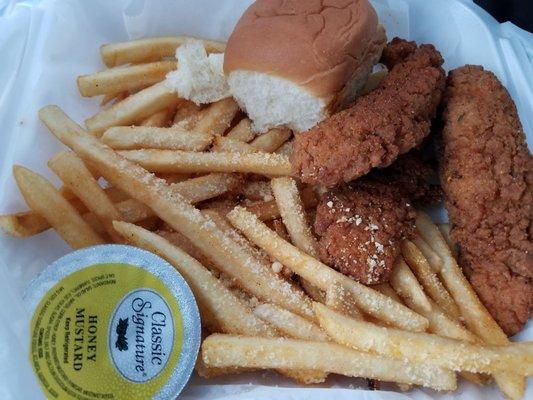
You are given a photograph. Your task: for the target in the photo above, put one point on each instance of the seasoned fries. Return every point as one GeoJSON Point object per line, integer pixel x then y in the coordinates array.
{"type": "Point", "coordinates": [428, 278]}
{"type": "Point", "coordinates": [253, 352]}
{"type": "Point", "coordinates": [186, 114]}
{"type": "Point", "coordinates": [433, 258]}
{"type": "Point", "coordinates": [216, 118]}
{"type": "Point", "coordinates": [178, 213]}
{"type": "Point", "coordinates": [23, 224]}
{"type": "Point", "coordinates": [123, 79]}
{"type": "Point", "coordinates": [206, 187]}
{"type": "Point", "coordinates": [168, 161]}
{"type": "Point", "coordinates": [230, 313]}
{"type": "Point", "coordinates": [424, 347]}
{"type": "Point", "coordinates": [229, 145]}
{"type": "Point", "coordinates": [338, 298]}
{"type": "Point", "coordinates": [290, 324]}
{"type": "Point", "coordinates": [473, 312]}
{"type": "Point", "coordinates": [242, 131]}
{"type": "Point", "coordinates": [144, 137]}
{"type": "Point", "coordinates": [271, 140]}
{"type": "Point", "coordinates": [445, 232]}
{"type": "Point", "coordinates": [151, 49]}
{"type": "Point", "coordinates": [399, 276]}
{"type": "Point", "coordinates": [292, 213]}
{"type": "Point", "coordinates": [321, 275]}
{"type": "Point", "coordinates": [42, 197]}
{"type": "Point", "coordinates": [160, 119]}
{"type": "Point", "coordinates": [133, 108]}
{"type": "Point", "coordinates": [268, 210]}
{"type": "Point", "coordinates": [29, 223]}
{"type": "Point", "coordinates": [75, 175]}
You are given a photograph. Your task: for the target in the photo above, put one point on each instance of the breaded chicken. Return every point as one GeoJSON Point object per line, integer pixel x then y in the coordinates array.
{"type": "Point", "coordinates": [413, 178]}
{"type": "Point", "coordinates": [361, 228]}
{"type": "Point", "coordinates": [487, 177]}
{"type": "Point", "coordinates": [378, 127]}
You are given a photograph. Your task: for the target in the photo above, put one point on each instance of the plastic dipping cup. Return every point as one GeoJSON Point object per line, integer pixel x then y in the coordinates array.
{"type": "Point", "coordinates": [112, 322]}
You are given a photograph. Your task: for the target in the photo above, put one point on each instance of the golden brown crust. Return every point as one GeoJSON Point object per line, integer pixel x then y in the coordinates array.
{"type": "Point", "coordinates": [378, 127]}
{"type": "Point", "coordinates": [361, 228]}
{"type": "Point", "coordinates": [487, 176]}
{"type": "Point", "coordinates": [317, 44]}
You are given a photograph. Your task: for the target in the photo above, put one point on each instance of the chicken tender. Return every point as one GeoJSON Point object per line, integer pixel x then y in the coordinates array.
{"type": "Point", "coordinates": [413, 178]}
{"type": "Point", "coordinates": [361, 228]}
{"type": "Point", "coordinates": [378, 127]}
{"type": "Point", "coordinates": [487, 177]}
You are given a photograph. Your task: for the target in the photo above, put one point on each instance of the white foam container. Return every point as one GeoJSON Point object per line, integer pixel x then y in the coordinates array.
{"type": "Point", "coordinates": [45, 45]}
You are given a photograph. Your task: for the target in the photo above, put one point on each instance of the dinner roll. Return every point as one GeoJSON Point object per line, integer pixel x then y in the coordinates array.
{"type": "Point", "coordinates": [294, 62]}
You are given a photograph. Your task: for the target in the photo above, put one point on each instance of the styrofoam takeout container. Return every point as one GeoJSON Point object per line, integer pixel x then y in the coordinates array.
{"type": "Point", "coordinates": [45, 45]}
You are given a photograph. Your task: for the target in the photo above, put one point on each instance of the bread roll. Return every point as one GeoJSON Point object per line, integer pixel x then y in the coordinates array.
{"type": "Point", "coordinates": [294, 62]}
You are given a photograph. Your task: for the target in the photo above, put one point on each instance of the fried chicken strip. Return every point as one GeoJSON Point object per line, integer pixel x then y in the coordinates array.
{"type": "Point", "coordinates": [487, 177]}
{"type": "Point", "coordinates": [361, 227]}
{"type": "Point", "coordinates": [379, 126]}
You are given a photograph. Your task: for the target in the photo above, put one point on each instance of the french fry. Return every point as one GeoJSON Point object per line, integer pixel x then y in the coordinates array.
{"type": "Point", "coordinates": [268, 210]}
{"type": "Point", "coordinates": [186, 115]}
{"type": "Point", "coordinates": [174, 178]}
{"type": "Point", "coordinates": [231, 314]}
{"type": "Point", "coordinates": [195, 190]}
{"type": "Point", "coordinates": [435, 262]}
{"type": "Point", "coordinates": [160, 119]}
{"type": "Point", "coordinates": [144, 137]}
{"type": "Point", "coordinates": [399, 276]}
{"type": "Point", "coordinates": [223, 224]}
{"type": "Point", "coordinates": [428, 278]}
{"type": "Point", "coordinates": [257, 190]}
{"type": "Point", "coordinates": [312, 291]}
{"type": "Point", "coordinates": [150, 49]}
{"type": "Point", "coordinates": [406, 285]}
{"type": "Point", "coordinates": [290, 324]}
{"type": "Point", "coordinates": [23, 224]}
{"type": "Point", "coordinates": [133, 108]}
{"type": "Point", "coordinates": [439, 323]}
{"type": "Point", "coordinates": [242, 131]}
{"type": "Point", "coordinates": [174, 209]}
{"type": "Point", "coordinates": [168, 161]}
{"type": "Point", "coordinates": [42, 197]}
{"type": "Point", "coordinates": [386, 289]}
{"type": "Point", "coordinates": [123, 79]}
{"type": "Point", "coordinates": [252, 352]}
{"type": "Point", "coordinates": [206, 187]}
{"type": "Point", "coordinates": [474, 313]}
{"type": "Point", "coordinates": [445, 232]}
{"type": "Point", "coordinates": [271, 140]}
{"type": "Point", "coordinates": [29, 223]}
{"type": "Point", "coordinates": [113, 97]}
{"type": "Point", "coordinates": [218, 302]}
{"type": "Point", "coordinates": [212, 372]}
{"type": "Point", "coordinates": [292, 213]}
{"type": "Point", "coordinates": [286, 148]}
{"type": "Point", "coordinates": [228, 145]}
{"type": "Point", "coordinates": [424, 348]}
{"type": "Point", "coordinates": [217, 117]}
{"type": "Point", "coordinates": [339, 299]}
{"type": "Point", "coordinates": [179, 240]}
{"type": "Point", "coordinates": [75, 175]}
{"type": "Point", "coordinates": [322, 276]}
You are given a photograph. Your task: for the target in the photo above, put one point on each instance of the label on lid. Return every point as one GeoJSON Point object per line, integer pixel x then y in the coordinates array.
{"type": "Point", "coordinates": [112, 331]}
